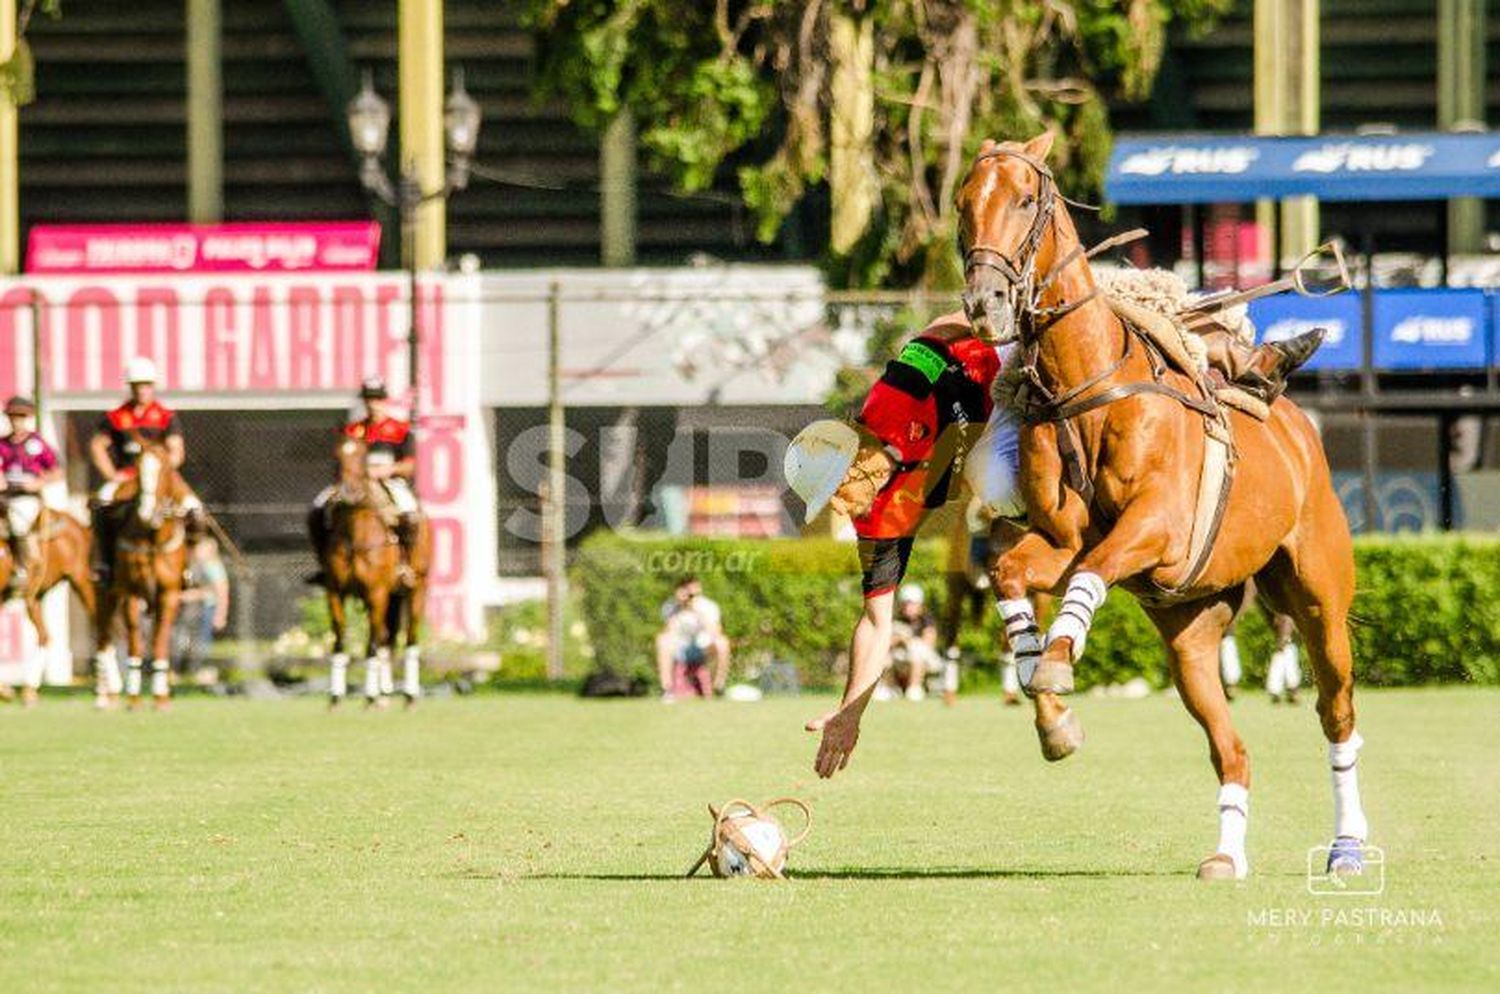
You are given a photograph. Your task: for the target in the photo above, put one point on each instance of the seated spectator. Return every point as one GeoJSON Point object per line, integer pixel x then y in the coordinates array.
{"type": "Point", "coordinates": [692, 631]}
{"type": "Point", "coordinates": [914, 652]}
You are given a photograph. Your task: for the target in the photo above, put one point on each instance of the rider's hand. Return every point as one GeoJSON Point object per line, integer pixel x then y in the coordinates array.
{"type": "Point", "coordinates": [840, 730]}
{"type": "Point", "coordinates": [379, 471]}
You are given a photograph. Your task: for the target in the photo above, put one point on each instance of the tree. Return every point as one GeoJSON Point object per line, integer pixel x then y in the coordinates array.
{"type": "Point", "coordinates": [888, 98]}
{"type": "Point", "coordinates": [17, 73]}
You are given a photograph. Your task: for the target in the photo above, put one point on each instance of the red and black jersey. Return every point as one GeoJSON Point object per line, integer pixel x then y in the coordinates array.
{"type": "Point", "coordinates": [153, 423]}
{"type": "Point", "coordinates": [929, 408]}
{"type": "Point", "coordinates": [386, 439]}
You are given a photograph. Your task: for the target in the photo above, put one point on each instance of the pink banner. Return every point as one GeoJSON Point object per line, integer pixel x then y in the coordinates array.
{"type": "Point", "coordinates": [336, 246]}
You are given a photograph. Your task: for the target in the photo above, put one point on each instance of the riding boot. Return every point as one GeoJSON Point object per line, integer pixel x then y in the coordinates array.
{"type": "Point", "coordinates": [1264, 370]}
{"type": "Point", "coordinates": [408, 530]}
{"type": "Point", "coordinates": [104, 540]}
{"type": "Point", "coordinates": [18, 560]}
{"type": "Point", "coordinates": [318, 531]}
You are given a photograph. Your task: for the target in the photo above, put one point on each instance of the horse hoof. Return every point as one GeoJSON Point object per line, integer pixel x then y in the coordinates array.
{"type": "Point", "coordinates": [1346, 857]}
{"type": "Point", "coordinates": [29, 698]}
{"type": "Point", "coordinates": [334, 700]}
{"type": "Point", "coordinates": [1062, 738]}
{"type": "Point", "coordinates": [1217, 867]}
{"type": "Point", "coordinates": [410, 701]}
{"type": "Point", "coordinates": [1050, 677]}
{"type": "Point", "coordinates": [162, 704]}
{"type": "Point", "coordinates": [133, 704]}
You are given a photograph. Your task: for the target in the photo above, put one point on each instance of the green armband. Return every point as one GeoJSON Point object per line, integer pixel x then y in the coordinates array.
{"type": "Point", "coordinates": [925, 359]}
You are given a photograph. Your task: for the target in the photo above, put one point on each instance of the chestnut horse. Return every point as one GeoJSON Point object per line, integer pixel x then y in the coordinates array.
{"type": "Point", "coordinates": [64, 547]}
{"type": "Point", "coordinates": [148, 561]}
{"type": "Point", "coordinates": [363, 559]}
{"type": "Point", "coordinates": [1111, 449]}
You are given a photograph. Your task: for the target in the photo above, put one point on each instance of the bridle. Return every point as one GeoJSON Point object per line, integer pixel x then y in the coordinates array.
{"type": "Point", "coordinates": [1023, 290]}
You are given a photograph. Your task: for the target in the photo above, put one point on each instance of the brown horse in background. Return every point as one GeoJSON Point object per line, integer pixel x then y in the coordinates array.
{"type": "Point", "coordinates": [148, 563]}
{"type": "Point", "coordinates": [64, 547]}
{"type": "Point", "coordinates": [363, 559]}
{"type": "Point", "coordinates": [1101, 409]}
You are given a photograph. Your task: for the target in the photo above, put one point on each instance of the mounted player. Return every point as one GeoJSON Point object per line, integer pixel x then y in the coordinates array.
{"type": "Point", "coordinates": [391, 462]}
{"type": "Point", "coordinates": [28, 464]}
{"type": "Point", "coordinates": [918, 424]}
{"type": "Point", "coordinates": [116, 446]}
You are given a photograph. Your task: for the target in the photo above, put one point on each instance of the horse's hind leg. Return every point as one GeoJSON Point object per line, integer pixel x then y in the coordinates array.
{"type": "Point", "coordinates": [1192, 633]}
{"type": "Point", "coordinates": [1313, 581]}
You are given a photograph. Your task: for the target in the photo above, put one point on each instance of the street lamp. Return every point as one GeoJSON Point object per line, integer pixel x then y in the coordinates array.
{"type": "Point", "coordinates": [369, 130]}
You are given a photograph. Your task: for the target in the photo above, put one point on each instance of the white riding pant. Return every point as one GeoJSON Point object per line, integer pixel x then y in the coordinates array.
{"type": "Point", "coordinates": [106, 495]}
{"type": "Point", "coordinates": [397, 488]}
{"type": "Point", "coordinates": [21, 513]}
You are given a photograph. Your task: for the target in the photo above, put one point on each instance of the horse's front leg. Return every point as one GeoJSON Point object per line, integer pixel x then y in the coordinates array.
{"type": "Point", "coordinates": [36, 661]}
{"type": "Point", "coordinates": [378, 651]}
{"type": "Point", "coordinates": [338, 663]}
{"type": "Point", "coordinates": [108, 683]}
{"type": "Point", "coordinates": [168, 600]}
{"type": "Point", "coordinates": [1034, 563]}
{"type": "Point", "coordinates": [134, 648]}
{"type": "Point", "coordinates": [1141, 539]}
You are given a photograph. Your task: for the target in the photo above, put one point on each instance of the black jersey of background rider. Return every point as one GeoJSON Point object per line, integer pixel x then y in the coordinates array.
{"type": "Point", "coordinates": [154, 423]}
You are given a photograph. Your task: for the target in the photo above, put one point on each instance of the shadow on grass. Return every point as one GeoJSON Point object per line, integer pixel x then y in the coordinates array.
{"type": "Point", "coordinates": [853, 873]}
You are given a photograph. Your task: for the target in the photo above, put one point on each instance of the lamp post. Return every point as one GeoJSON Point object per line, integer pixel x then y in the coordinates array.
{"type": "Point", "coordinates": [369, 129]}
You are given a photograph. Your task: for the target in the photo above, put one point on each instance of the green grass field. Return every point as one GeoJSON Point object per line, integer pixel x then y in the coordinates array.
{"type": "Point", "coordinates": [537, 842]}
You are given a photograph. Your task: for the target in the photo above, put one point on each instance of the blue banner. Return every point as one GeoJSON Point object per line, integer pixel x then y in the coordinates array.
{"type": "Point", "coordinates": [1184, 169]}
{"type": "Point", "coordinates": [1287, 315]}
{"type": "Point", "coordinates": [1431, 329]}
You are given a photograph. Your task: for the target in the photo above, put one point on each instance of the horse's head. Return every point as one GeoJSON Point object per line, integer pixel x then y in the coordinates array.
{"type": "Point", "coordinates": [350, 455]}
{"type": "Point", "coordinates": [1005, 210]}
{"type": "Point", "coordinates": [160, 485]}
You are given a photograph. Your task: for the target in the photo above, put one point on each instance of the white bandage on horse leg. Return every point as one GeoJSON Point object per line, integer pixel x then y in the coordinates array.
{"type": "Point", "coordinates": [31, 669]}
{"type": "Point", "coordinates": [1084, 595]}
{"type": "Point", "coordinates": [387, 678]}
{"type": "Point", "coordinates": [1230, 670]}
{"type": "Point", "coordinates": [160, 686]}
{"type": "Point", "coordinates": [372, 678]}
{"type": "Point", "coordinates": [107, 678]}
{"type": "Point", "coordinates": [1234, 819]}
{"type": "Point", "coordinates": [1290, 666]}
{"type": "Point", "coordinates": [411, 674]}
{"type": "Point", "coordinates": [1348, 814]}
{"type": "Point", "coordinates": [133, 676]}
{"type": "Point", "coordinates": [338, 674]}
{"type": "Point", "coordinates": [1010, 681]}
{"type": "Point", "coordinates": [1022, 632]}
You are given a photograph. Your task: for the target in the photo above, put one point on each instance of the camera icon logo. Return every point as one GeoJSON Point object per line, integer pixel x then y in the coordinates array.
{"type": "Point", "coordinates": [1340, 870]}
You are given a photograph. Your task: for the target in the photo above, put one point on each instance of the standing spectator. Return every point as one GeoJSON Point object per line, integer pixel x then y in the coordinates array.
{"type": "Point", "coordinates": [205, 606]}
{"type": "Point", "coordinates": [692, 629]}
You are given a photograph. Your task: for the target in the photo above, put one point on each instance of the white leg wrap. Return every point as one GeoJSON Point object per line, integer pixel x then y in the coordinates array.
{"type": "Point", "coordinates": [338, 674]}
{"type": "Point", "coordinates": [387, 680]}
{"type": "Point", "coordinates": [133, 677]}
{"type": "Point", "coordinates": [1291, 666]}
{"type": "Point", "coordinates": [1230, 670]}
{"type": "Point", "coordinates": [372, 678]}
{"type": "Point", "coordinates": [107, 679]}
{"type": "Point", "coordinates": [1084, 595]}
{"type": "Point", "coordinates": [160, 686]}
{"type": "Point", "coordinates": [1348, 814]}
{"type": "Point", "coordinates": [411, 674]}
{"type": "Point", "coordinates": [1023, 634]}
{"type": "Point", "coordinates": [1234, 820]}
{"type": "Point", "coordinates": [1010, 682]}
{"type": "Point", "coordinates": [31, 669]}
{"type": "Point", "coordinates": [950, 677]}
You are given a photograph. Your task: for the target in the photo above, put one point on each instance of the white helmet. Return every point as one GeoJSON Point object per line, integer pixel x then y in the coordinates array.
{"type": "Point", "coordinates": [817, 461]}
{"type": "Point", "coordinates": [140, 370]}
{"type": "Point", "coordinates": [911, 593]}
